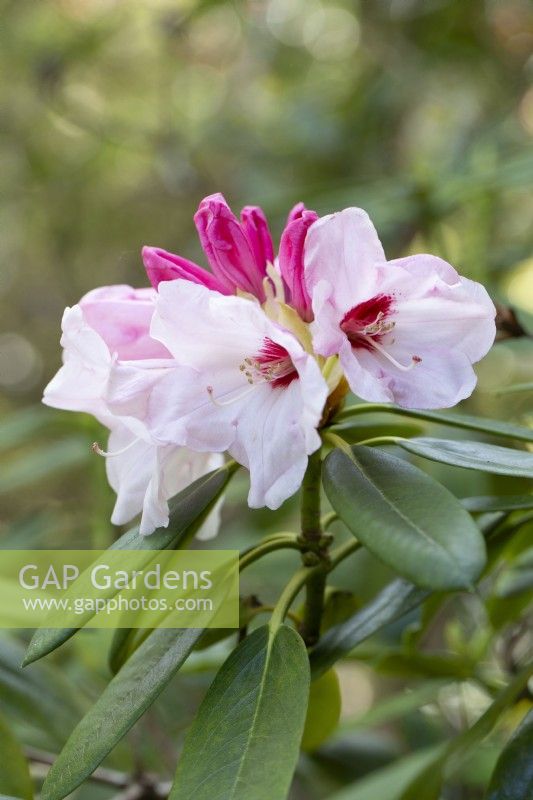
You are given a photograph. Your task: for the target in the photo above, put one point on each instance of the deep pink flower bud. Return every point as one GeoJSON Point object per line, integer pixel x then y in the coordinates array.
{"type": "Point", "coordinates": [229, 251]}
{"type": "Point", "coordinates": [258, 233]}
{"type": "Point", "coordinates": [163, 266]}
{"type": "Point", "coordinates": [296, 212]}
{"type": "Point", "coordinates": [291, 259]}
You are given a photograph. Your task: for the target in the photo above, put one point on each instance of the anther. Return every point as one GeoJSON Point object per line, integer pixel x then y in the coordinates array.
{"type": "Point", "coordinates": [95, 447]}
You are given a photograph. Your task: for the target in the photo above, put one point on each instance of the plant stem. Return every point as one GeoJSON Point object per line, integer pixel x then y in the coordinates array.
{"type": "Point", "coordinates": [328, 519]}
{"type": "Point", "coordinates": [109, 777]}
{"type": "Point", "coordinates": [314, 607]}
{"type": "Point", "coordinates": [310, 500]}
{"type": "Point", "coordinates": [303, 576]}
{"type": "Point", "coordinates": [381, 440]}
{"type": "Point", "coordinates": [269, 546]}
{"type": "Point", "coordinates": [314, 550]}
{"type": "Point", "coordinates": [343, 552]}
{"type": "Point", "coordinates": [298, 580]}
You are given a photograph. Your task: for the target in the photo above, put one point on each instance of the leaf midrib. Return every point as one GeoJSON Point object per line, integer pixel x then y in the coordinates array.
{"type": "Point", "coordinates": [271, 637]}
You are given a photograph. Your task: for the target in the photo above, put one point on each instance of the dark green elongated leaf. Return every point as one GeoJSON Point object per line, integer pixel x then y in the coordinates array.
{"type": "Point", "coordinates": [395, 707]}
{"type": "Point", "coordinates": [395, 600]}
{"type": "Point", "coordinates": [187, 510]}
{"type": "Point", "coordinates": [21, 426]}
{"type": "Point", "coordinates": [486, 505]}
{"type": "Point", "coordinates": [123, 702]}
{"type": "Point", "coordinates": [426, 665]}
{"type": "Point", "coordinates": [42, 697]}
{"type": "Point", "coordinates": [389, 782]}
{"type": "Point", "coordinates": [356, 430]}
{"type": "Point", "coordinates": [483, 726]}
{"type": "Point", "coordinates": [473, 455]}
{"type": "Point", "coordinates": [518, 578]}
{"type": "Point", "coordinates": [515, 388]}
{"type": "Point", "coordinates": [514, 582]}
{"type": "Point", "coordinates": [27, 468]}
{"type": "Point", "coordinates": [323, 711]}
{"type": "Point", "coordinates": [339, 605]}
{"type": "Point", "coordinates": [245, 739]}
{"type": "Point", "coordinates": [14, 773]}
{"type": "Point", "coordinates": [405, 518]}
{"type": "Point", "coordinates": [504, 429]}
{"type": "Point", "coordinates": [512, 778]}
{"type": "Point", "coordinates": [427, 784]}
{"type": "Point", "coordinates": [119, 650]}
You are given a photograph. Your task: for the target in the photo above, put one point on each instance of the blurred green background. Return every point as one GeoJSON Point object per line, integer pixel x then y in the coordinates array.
{"type": "Point", "coordinates": [117, 117]}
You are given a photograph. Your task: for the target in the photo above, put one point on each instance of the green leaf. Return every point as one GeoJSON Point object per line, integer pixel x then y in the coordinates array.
{"type": "Point", "coordinates": [8, 797]}
{"type": "Point", "coordinates": [395, 600]}
{"type": "Point", "coordinates": [358, 429]}
{"type": "Point", "coordinates": [245, 739]}
{"type": "Point", "coordinates": [515, 388]}
{"type": "Point", "coordinates": [14, 773]}
{"type": "Point", "coordinates": [405, 518]}
{"type": "Point", "coordinates": [41, 697]}
{"type": "Point", "coordinates": [504, 429]}
{"type": "Point", "coordinates": [20, 427]}
{"type": "Point", "coordinates": [518, 578]}
{"type": "Point", "coordinates": [339, 605]}
{"type": "Point", "coordinates": [323, 711]}
{"type": "Point", "coordinates": [486, 505]}
{"type": "Point", "coordinates": [122, 644]}
{"type": "Point", "coordinates": [472, 455]}
{"type": "Point", "coordinates": [123, 702]}
{"type": "Point", "coordinates": [427, 785]}
{"type": "Point", "coordinates": [427, 665]}
{"type": "Point", "coordinates": [29, 467]}
{"type": "Point", "coordinates": [389, 782]}
{"type": "Point", "coordinates": [486, 722]}
{"type": "Point", "coordinates": [187, 511]}
{"type": "Point", "coordinates": [395, 707]}
{"type": "Point", "coordinates": [514, 582]}
{"type": "Point", "coordinates": [512, 778]}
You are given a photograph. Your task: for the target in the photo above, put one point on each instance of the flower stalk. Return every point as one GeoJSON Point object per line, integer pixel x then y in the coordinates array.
{"type": "Point", "coordinates": [315, 545]}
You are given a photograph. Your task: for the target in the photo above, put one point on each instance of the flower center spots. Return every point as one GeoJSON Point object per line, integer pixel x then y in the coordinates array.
{"type": "Point", "coordinates": [366, 324]}
{"type": "Point", "coordinates": [272, 364]}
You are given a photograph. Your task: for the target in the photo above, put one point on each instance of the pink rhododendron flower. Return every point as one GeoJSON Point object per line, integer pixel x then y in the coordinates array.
{"type": "Point", "coordinates": [406, 331]}
{"type": "Point", "coordinates": [122, 315]}
{"type": "Point", "coordinates": [145, 477]}
{"type": "Point", "coordinates": [109, 332]}
{"type": "Point", "coordinates": [186, 369]}
{"type": "Point", "coordinates": [245, 385]}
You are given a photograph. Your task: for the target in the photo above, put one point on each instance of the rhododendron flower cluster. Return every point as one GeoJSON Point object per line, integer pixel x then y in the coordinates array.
{"type": "Point", "coordinates": [242, 358]}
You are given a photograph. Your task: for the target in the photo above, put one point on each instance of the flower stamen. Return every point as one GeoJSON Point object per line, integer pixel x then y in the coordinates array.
{"type": "Point", "coordinates": [368, 323]}
{"type": "Point", "coordinates": [272, 365]}
{"type": "Point", "coordinates": [223, 403]}
{"type": "Point", "coordinates": [95, 447]}
{"type": "Point", "coordinates": [404, 368]}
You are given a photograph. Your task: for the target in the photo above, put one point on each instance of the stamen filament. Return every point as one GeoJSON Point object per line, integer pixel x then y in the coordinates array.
{"type": "Point", "coordinates": [415, 359]}
{"type": "Point", "coordinates": [223, 403]}
{"type": "Point", "coordinates": [95, 447]}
